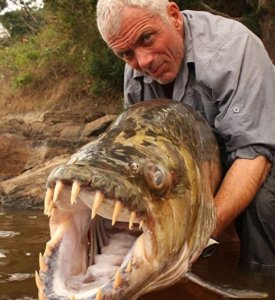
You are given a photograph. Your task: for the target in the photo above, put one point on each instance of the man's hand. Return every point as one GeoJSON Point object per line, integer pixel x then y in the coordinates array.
{"type": "Point", "coordinates": [238, 189]}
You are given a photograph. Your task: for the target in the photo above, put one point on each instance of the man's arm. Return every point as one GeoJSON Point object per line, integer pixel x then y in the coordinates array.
{"type": "Point", "coordinates": [238, 189]}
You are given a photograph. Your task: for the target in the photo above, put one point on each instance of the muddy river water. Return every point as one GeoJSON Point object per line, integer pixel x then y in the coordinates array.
{"type": "Point", "coordinates": [23, 235]}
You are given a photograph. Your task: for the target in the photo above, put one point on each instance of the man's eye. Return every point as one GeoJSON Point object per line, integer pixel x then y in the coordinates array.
{"type": "Point", "coordinates": [126, 54]}
{"type": "Point", "coordinates": [147, 38]}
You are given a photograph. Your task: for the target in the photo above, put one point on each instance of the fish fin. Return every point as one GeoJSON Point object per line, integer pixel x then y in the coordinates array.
{"type": "Point", "coordinates": [224, 292]}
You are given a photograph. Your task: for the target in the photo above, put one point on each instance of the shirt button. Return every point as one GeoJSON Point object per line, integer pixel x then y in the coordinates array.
{"type": "Point", "coordinates": [236, 109]}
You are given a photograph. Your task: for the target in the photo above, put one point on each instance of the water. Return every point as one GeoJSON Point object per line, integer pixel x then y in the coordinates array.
{"type": "Point", "coordinates": [23, 235]}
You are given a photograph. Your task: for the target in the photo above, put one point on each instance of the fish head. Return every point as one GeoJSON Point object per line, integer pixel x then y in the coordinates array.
{"type": "Point", "coordinates": [131, 210]}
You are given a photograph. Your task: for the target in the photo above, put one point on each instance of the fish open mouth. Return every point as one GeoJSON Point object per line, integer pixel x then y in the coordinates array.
{"type": "Point", "coordinates": [97, 244]}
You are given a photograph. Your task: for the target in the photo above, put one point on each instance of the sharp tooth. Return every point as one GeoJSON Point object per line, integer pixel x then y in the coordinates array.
{"type": "Point", "coordinates": [118, 279]}
{"type": "Point", "coordinates": [141, 224]}
{"type": "Point", "coordinates": [129, 267]}
{"type": "Point", "coordinates": [48, 200]}
{"type": "Point", "coordinates": [51, 206]}
{"type": "Point", "coordinates": [134, 260]}
{"type": "Point", "coordinates": [41, 296]}
{"type": "Point", "coordinates": [56, 237]}
{"type": "Point", "coordinates": [57, 190]}
{"type": "Point", "coordinates": [49, 211]}
{"type": "Point", "coordinates": [132, 219]}
{"type": "Point", "coordinates": [50, 244]}
{"type": "Point", "coordinates": [42, 264]}
{"type": "Point", "coordinates": [75, 192]}
{"type": "Point", "coordinates": [47, 252]}
{"type": "Point", "coordinates": [99, 197]}
{"type": "Point", "coordinates": [38, 281]}
{"type": "Point", "coordinates": [49, 249]}
{"type": "Point", "coordinates": [53, 211]}
{"type": "Point", "coordinates": [116, 212]}
{"type": "Point", "coordinates": [99, 295]}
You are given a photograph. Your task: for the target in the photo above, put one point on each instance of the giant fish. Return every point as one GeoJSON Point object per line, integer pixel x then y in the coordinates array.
{"type": "Point", "coordinates": [132, 210]}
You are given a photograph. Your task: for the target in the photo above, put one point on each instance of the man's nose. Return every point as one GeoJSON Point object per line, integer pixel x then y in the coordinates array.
{"type": "Point", "coordinates": [144, 58]}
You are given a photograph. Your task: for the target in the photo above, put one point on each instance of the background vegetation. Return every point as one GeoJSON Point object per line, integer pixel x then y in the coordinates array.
{"type": "Point", "coordinates": [61, 40]}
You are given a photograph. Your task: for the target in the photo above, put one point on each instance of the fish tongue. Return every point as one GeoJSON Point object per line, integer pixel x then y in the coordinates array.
{"type": "Point", "coordinates": [114, 253]}
{"type": "Point", "coordinates": [106, 264]}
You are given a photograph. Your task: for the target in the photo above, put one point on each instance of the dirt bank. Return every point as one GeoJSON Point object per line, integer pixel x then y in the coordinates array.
{"type": "Point", "coordinates": [40, 127]}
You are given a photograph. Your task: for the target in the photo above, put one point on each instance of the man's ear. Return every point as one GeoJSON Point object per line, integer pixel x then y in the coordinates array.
{"type": "Point", "coordinates": [175, 15]}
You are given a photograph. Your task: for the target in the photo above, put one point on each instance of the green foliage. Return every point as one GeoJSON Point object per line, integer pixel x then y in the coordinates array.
{"type": "Point", "coordinates": [3, 4]}
{"type": "Point", "coordinates": [252, 22]}
{"type": "Point", "coordinates": [244, 10]}
{"type": "Point", "coordinates": [106, 69]}
{"type": "Point", "coordinates": [22, 22]}
{"type": "Point", "coordinates": [12, 21]}
{"type": "Point", "coordinates": [41, 55]}
{"type": "Point", "coordinates": [188, 4]}
{"type": "Point", "coordinates": [17, 57]}
{"type": "Point", "coordinates": [69, 44]}
{"type": "Point", "coordinates": [77, 18]}
{"type": "Point", "coordinates": [236, 8]}
{"type": "Point", "coordinates": [22, 80]}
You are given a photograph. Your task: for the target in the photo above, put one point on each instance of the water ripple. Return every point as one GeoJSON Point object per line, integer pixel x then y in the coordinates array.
{"type": "Point", "coordinates": [8, 234]}
{"type": "Point", "coordinates": [20, 276]}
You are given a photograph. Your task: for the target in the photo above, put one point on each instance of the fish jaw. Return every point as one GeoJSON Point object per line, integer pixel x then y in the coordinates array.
{"type": "Point", "coordinates": [68, 270]}
{"type": "Point", "coordinates": [65, 269]}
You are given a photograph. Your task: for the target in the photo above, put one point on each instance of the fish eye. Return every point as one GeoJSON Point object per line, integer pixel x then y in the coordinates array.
{"type": "Point", "coordinates": [158, 179]}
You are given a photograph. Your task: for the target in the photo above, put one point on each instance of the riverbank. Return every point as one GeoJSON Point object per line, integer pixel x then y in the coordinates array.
{"type": "Point", "coordinates": [40, 127]}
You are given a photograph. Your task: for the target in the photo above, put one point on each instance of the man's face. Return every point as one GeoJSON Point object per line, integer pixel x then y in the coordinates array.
{"type": "Point", "coordinates": [149, 44]}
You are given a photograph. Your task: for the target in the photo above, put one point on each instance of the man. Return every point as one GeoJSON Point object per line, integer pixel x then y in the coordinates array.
{"type": "Point", "coordinates": [221, 69]}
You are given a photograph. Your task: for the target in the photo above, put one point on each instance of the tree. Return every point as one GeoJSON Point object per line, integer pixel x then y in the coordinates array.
{"type": "Point", "coordinates": [24, 20]}
{"type": "Point", "coordinates": [3, 4]}
{"type": "Point", "coordinates": [77, 19]}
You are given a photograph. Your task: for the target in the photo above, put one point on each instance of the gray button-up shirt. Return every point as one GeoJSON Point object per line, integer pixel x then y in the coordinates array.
{"type": "Point", "coordinates": [228, 77]}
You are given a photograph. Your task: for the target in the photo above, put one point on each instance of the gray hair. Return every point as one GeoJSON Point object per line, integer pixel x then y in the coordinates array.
{"type": "Point", "coordinates": [109, 13]}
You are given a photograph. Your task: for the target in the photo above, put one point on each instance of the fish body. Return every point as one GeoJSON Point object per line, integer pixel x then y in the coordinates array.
{"type": "Point", "coordinates": [132, 210]}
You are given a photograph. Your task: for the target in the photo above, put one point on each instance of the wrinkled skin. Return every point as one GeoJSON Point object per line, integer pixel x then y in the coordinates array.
{"type": "Point", "coordinates": [158, 163]}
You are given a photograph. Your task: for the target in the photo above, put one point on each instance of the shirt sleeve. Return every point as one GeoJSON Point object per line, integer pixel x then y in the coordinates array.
{"type": "Point", "coordinates": [242, 80]}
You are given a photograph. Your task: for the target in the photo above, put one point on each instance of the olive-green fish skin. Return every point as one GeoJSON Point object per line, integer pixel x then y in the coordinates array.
{"type": "Point", "coordinates": [113, 152]}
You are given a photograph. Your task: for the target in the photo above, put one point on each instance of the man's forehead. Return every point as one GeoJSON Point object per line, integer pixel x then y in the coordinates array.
{"type": "Point", "coordinates": [134, 22]}
{"type": "Point", "coordinates": [136, 15]}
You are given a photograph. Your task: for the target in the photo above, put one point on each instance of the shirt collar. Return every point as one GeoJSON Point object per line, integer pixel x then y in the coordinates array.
{"type": "Point", "coordinates": [188, 40]}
